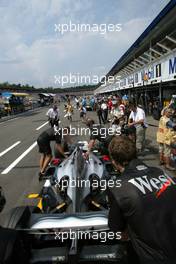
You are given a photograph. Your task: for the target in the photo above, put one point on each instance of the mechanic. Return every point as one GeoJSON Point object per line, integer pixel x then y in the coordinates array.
{"type": "Point", "coordinates": [67, 143]}
{"type": "Point", "coordinates": [99, 136]}
{"type": "Point", "coordinates": [53, 116]}
{"type": "Point", "coordinates": [43, 141]}
{"type": "Point", "coordinates": [143, 205]}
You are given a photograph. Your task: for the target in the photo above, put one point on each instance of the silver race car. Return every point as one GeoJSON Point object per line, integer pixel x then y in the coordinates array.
{"type": "Point", "coordinates": [70, 222]}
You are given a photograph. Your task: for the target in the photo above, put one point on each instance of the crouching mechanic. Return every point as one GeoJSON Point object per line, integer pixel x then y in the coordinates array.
{"type": "Point", "coordinates": [101, 134]}
{"type": "Point", "coordinates": [143, 205]}
{"type": "Point", "coordinates": [44, 141]}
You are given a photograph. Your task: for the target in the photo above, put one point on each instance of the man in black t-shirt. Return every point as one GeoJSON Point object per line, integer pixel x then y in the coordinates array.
{"type": "Point", "coordinates": [143, 205]}
{"type": "Point", "coordinates": [43, 141]}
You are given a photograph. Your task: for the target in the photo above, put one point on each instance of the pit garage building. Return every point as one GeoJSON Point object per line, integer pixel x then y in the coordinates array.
{"type": "Point", "coordinates": [147, 71]}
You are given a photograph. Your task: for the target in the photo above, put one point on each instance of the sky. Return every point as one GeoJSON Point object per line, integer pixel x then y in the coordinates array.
{"type": "Point", "coordinates": [33, 51]}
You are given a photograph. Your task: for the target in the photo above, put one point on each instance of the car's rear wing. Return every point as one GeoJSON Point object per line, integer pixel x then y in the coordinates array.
{"type": "Point", "coordinates": [22, 218]}
{"type": "Point", "coordinates": [79, 221]}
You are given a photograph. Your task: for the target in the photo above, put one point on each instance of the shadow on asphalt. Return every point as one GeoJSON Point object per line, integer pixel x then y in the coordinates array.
{"type": "Point", "coordinates": [39, 120]}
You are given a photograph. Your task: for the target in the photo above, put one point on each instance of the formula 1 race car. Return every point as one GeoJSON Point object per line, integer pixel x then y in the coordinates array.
{"type": "Point", "coordinates": [70, 223]}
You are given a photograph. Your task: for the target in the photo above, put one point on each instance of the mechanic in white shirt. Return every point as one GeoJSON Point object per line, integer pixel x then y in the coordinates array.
{"type": "Point", "coordinates": [53, 116]}
{"type": "Point", "coordinates": [138, 120]}
{"type": "Point", "coordinates": [104, 106]}
{"type": "Point", "coordinates": [77, 102]}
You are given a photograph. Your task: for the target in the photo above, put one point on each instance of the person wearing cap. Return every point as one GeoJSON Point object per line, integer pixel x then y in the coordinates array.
{"type": "Point", "coordinates": [53, 116]}
{"type": "Point", "coordinates": [165, 135]}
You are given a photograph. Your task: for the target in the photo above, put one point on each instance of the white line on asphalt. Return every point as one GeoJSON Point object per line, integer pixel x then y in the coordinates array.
{"type": "Point", "coordinates": [42, 126]}
{"type": "Point", "coordinates": [11, 166]}
{"type": "Point", "coordinates": [5, 121]}
{"type": "Point", "coordinates": [8, 149]}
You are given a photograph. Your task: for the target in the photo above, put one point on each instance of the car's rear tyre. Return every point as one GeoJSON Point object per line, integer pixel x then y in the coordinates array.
{"type": "Point", "coordinates": [18, 216]}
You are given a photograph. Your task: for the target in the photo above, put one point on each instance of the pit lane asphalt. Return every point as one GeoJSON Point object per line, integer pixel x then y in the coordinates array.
{"type": "Point", "coordinates": [23, 178]}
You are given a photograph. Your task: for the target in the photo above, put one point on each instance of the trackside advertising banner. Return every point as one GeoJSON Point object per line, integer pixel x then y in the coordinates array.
{"type": "Point", "coordinates": [161, 70]}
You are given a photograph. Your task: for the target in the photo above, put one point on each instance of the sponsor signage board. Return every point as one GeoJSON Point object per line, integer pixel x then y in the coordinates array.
{"type": "Point", "coordinates": [163, 70]}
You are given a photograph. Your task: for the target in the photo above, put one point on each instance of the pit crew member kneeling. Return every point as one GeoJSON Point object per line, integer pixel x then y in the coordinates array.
{"type": "Point", "coordinates": [143, 206]}
{"type": "Point", "coordinates": [101, 134]}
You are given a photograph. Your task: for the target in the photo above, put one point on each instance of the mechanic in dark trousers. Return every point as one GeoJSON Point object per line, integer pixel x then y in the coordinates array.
{"type": "Point", "coordinates": [99, 114]}
{"type": "Point", "coordinates": [143, 205]}
{"type": "Point", "coordinates": [44, 141]}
